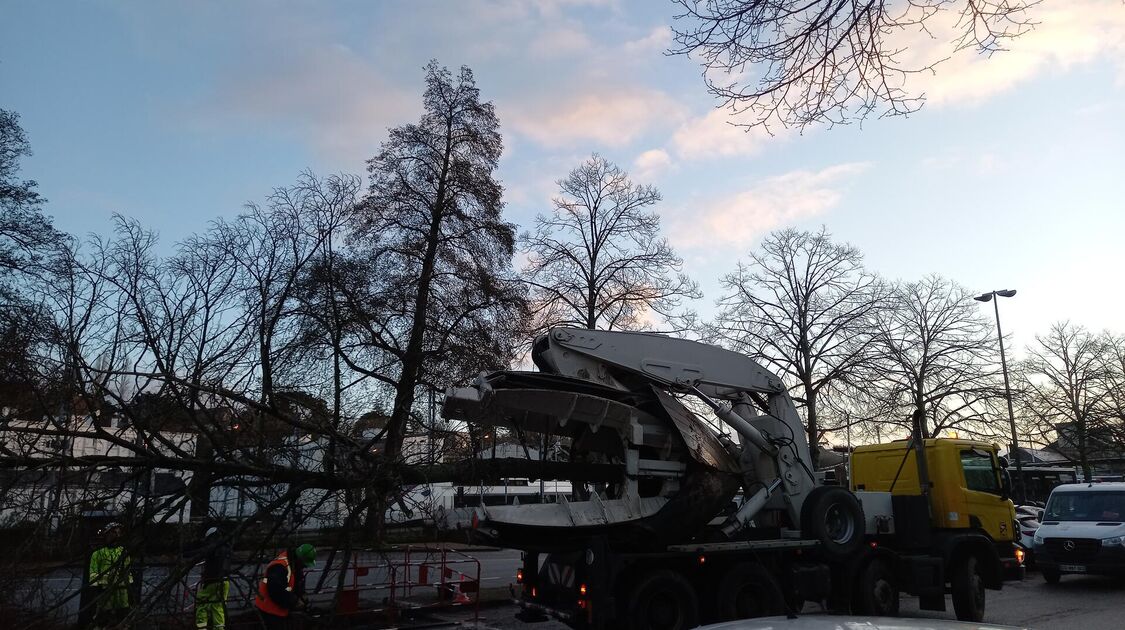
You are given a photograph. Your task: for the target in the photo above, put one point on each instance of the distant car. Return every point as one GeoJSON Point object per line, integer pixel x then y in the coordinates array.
{"type": "Point", "coordinates": [1082, 531]}
{"type": "Point", "coordinates": [1028, 517]}
{"type": "Point", "coordinates": [835, 622]}
{"type": "Point", "coordinates": [1028, 526]}
{"type": "Point", "coordinates": [1032, 511]}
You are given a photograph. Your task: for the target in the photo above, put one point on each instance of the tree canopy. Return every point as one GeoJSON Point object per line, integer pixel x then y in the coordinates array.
{"type": "Point", "coordinates": [598, 260]}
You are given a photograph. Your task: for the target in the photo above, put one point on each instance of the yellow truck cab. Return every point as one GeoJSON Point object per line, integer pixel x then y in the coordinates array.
{"type": "Point", "coordinates": [967, 487]}
{"type": "Point", "coordinates": [965, 522]}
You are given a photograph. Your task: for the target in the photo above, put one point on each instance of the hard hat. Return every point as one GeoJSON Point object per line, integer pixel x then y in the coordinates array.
{"type": "Point", "coordinates": [307, 555]}
{"type": "Point", "coordinates": [109, 527]}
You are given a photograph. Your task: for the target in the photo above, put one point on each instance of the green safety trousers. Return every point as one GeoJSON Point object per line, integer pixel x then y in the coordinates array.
{"type": "Point", "coordinates": [211, 605]}
{"type": "Point", "coordinates": [112, 607]}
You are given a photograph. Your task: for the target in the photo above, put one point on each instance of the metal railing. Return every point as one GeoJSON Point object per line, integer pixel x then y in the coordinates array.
{"type": "Point", "coordinates": [386, 587]}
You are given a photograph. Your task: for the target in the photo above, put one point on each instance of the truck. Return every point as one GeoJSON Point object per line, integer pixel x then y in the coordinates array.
{"type": "Point", "coordinates": [695, 499]}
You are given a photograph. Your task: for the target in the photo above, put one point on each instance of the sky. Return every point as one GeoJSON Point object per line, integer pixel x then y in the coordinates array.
{"type": "Point", "coordinates": [1011, 176]}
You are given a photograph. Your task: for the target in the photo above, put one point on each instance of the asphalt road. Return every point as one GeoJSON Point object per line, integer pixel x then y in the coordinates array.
{"type": "Point", "coordinates": [1077, 603]}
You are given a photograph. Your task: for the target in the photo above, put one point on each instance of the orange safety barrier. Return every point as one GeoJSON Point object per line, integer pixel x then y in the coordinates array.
{"type": "Point", "coordinates": [398, 580]}
{"type": "Point", "coordinates": [394, 583]}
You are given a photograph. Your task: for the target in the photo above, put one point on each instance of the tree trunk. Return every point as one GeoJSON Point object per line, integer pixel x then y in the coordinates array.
{"type": "Point", "coordinates": [1083, 456]}
{"type": "Point", "coordinates": [337, 374]}
{"type": "Point", "coordinates": [412, 361]}
{"type": "Point", "coordinates": [920, 409]}
{"type": "Point", "coordinates": [813, 424]}
{"type": "Point", "coordinates": [199, 488]}
{"type": "Point", "coordinates": [591, 301]}
{"type": "Point", "coordinates": [267, 376]}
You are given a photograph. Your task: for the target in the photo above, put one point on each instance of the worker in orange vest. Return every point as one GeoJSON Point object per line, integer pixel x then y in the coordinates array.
{"type": "Point", "coordinates": [282, 588]}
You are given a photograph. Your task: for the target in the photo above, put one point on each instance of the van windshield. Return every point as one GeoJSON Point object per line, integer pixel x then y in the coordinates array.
{"type": "Point", "coordinates": [1086, 506]}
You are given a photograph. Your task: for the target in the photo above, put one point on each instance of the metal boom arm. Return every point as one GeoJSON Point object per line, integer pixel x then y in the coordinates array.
{"type": "Point", "coordinates": [774, 445]}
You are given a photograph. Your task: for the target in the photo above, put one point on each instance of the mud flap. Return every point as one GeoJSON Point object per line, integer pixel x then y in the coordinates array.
{"type": "Point", "coordinates": [924, 577]}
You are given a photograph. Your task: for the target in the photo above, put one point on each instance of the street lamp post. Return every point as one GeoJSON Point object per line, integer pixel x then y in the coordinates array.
{"type": "Point", "coordinates": [1014, 450]}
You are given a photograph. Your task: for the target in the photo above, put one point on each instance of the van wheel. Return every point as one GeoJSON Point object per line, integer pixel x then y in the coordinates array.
{"type": "Point", "coordinates": [748, 590]}
{"type": "Point", "coordinates": [1051, 576]}
{"type": "Point", "coordinates": [968, 589]}
{"type": "Point", "coordinates": [663, 601]}
{"type": "Point", "coordinates": [833, 516]}
{"type": "Point", "coordinates": [878, 593]}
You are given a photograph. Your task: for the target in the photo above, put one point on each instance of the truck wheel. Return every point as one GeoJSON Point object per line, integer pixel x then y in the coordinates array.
{"type": "Point", "coordinates": [663, 601]}
{"type": "Point", "coordinates": [748, 590]}
{"type": "Point", "coordinates": [833, 516]}
{"type": "Point", "coordinates": [877, 591]}
{"type": "Point", "coordinates": [968, 589]}
{"type": "Point", "coordinates": [1051, 576]}
{"type": "Point", "coordinates": [795, 603]}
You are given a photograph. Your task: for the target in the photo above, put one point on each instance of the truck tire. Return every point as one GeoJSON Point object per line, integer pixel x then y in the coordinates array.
{"type": "Point", "coordinates": [795, 603]}
{"type": "Point", "coordinates": [877, 591]}
{"type": "Point", "coordinates": [1051, 575]}
{"type": "Point", "coordinates": [833, 516]}
{"type": "Point", "coordinates": [968, 588]}
{"type": "Point", "coordinates": [748, 590]}
{"type": "Point", "coordinates": [663, 601]}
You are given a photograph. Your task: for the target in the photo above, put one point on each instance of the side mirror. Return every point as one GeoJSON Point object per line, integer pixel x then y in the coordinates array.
{"type": "Point", "coordinates": [1003, 461]}
{"type": "Point", "coordinates": [1005, 484]}
{"type": "Point", "coordinates": [1040, 518]}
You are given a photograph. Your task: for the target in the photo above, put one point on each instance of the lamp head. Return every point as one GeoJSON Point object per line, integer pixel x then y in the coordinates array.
{"type": "Point", "coordinates": [986, 297]}
{"type": "Point", "coordinates": [1006, 293]}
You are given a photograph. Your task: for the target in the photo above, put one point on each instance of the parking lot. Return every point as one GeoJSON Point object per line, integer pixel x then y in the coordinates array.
{"type": "Point", "coordinates": [1077, 603]}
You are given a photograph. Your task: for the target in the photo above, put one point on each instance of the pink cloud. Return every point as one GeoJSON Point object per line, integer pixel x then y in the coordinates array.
{"type": "Point", "coordinates": [1067, 33]}
{"type": "Point", "coordinates": [650, 165]}
{"type": "Point", "coordinates": [739, 219]}
{"type": "Point", "coordinates": [713, 135]}
{"type": "Point", "coordinates": [656, 42]}
{"type": "Point", "coordinates": [608, 116]}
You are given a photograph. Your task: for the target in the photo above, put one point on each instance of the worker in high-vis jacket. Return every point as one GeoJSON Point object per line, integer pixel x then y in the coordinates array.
{"type": "Point", "coordinates": [282, 587]}
{"type": "Point", "coordinates": [111, 576]}
{"type": "Point", "coordinates": [214, 584]}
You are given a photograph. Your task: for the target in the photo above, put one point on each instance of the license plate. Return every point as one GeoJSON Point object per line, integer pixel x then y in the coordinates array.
{"type": "Point", "coordinates": [1073, 568]}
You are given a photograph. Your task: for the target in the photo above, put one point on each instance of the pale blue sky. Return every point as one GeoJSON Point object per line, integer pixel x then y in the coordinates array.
{"type": "Point", "coordinates": [1013, 175]}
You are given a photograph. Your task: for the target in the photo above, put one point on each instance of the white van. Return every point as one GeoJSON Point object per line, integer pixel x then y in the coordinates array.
{"type": "Point", "coordinates": [1082, 531]}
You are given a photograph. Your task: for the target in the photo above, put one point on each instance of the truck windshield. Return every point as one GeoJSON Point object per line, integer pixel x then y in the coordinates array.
{"type": "Point", "coordinates": [1086, 506]}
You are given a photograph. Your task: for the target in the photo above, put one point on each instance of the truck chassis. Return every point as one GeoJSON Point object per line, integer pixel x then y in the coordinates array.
{"type": "Point", "coordinates": [689, 584]}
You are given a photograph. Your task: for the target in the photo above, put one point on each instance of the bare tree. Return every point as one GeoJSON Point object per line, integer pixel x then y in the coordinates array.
{"type": "Point", "coordinates": [1116, 371]}
{"type": "Point", "coordinates": [29, 245]}
{"type": "Point", "coordinates": [802, 305]}
{"type": "Point", "coordinates": [856, 412]}
{"type": "Point", "coordinates": [235, 378]}
{"type": "Point", "coordinates": [932, 355]}
{"type": "Point", "coordinates": [148, 396]}
{"type": "Point", "coordinates": [26, 236]}
{"type": "Point", "coordinates": [1067, 383]}
{"type": "Point", "coordinates": [598, 259]}
{"type": "Point", "coordinates": [152, 376]}
{"type": "Point", "coordinates": [443, 293]}
{"type": "Point", "coordinates": [831, 61]}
